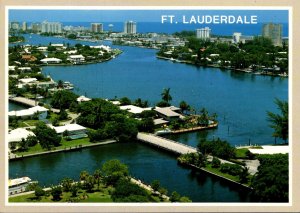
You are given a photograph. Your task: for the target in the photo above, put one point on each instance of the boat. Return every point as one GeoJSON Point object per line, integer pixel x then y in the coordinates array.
{"type": "Point", "coordinates": [18, 185]}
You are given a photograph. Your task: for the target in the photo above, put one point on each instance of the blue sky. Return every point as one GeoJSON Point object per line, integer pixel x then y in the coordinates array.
{"type": "Point", "coordinates": [276, 16]}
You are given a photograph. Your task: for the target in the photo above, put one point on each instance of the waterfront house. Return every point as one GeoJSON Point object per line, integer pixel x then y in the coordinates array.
{"type": "Point", "coordinates": [76, 59]}
{"type": "Point", "coordinates": [24, 69]}
{"type": "Point", "coordinates": [51, 61]}
{"type": "Point", "coordinates": [30, 58]}
{"type": "Point", "coordinates": [16, 135]}
{"type": "Point", "coordinates": [168, 113]}
{"type": "Point", "coordinates": [27, 113]}
{"type": "Point", "coordinates": [134, 109]}
{"type": "Point", "coordinates": [43, 49]}
{"type": "Point", "coordinates": [159, 122]}
{"type": "Point", "coordinates": [27, 80]}
{"type": "Point", "coordinates": [83, 99]}
{"type": "Point", "coordinates": [74, 131]}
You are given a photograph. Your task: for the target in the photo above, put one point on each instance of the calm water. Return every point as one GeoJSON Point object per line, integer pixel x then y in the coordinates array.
{"type": "Point", "coordinates": [240, 100]}
{"type": "Point", "coordinates": [143, 161]}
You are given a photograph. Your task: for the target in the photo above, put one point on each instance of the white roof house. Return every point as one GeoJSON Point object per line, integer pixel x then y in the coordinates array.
{"type": "Point", "coordinates": [51, 60]}
{"type": "Point", "coordinates": [76, 58]}
{"type": "Point", "coordinates": [70, 52]}
{"type": "Point", "coordinates": [24, 68]}
{"type": "Point", "coordinates": [19, 133]}
{"type": "Point", "coordinates": [42, 48]}
{"type": "Point", "coordinates": [168, 112]}
{"type": "Point", "coordinates": [134, 109]}
{"type": "Point", "coordinates": [107, 48]}
{"type": "Point", "coordinates": [11, 68]}
{"type": "Point", "coordinates": [27, 112]}
{"type": "Point", "coordinates": [160, 121]}
{"type": "Point", "coordinates": [68, 127]}
{"type": "Point", "coordinates": [57, 45]}
{"type": "Point", "coordinates": [82, 99]}
{"type": "Point", "coordinates": [27, 80]}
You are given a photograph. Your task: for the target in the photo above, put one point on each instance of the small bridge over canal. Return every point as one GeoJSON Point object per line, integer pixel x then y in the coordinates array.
{"type": "Point", "coordinates": [29, 102]}
{"type": "Point", "coordinates": [164, 143]}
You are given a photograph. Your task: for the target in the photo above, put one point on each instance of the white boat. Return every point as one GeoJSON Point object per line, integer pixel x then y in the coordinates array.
{"type": "Point", "coordinates": [18, 185]}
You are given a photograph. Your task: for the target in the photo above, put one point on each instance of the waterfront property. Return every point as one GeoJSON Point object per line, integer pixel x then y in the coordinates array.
{"type": "Point", "coordinates": [134, 109]}
{"type": "Point", "coordinates": [169, 113]}
{"type": "Point", "coordinates": [73, 131]}
{"type": "Point", "coordinates": [26, 113]}
{"type": "Point", "coordinates": [18, 185]}
{"type": "Point", "coordinates": [16, 135]}
{"type": "Point", "coordinates": [51, 60]}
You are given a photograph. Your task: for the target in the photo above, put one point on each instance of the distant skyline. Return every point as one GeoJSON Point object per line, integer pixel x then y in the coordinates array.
{"type": "Point", "coordinates": [39, 15]}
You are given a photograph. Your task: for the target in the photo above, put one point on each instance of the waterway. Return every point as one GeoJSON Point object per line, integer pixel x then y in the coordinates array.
{"type": "Point", "coordinates": [240, 100]}
{"type": "Point", "coordinates": [144, 162]}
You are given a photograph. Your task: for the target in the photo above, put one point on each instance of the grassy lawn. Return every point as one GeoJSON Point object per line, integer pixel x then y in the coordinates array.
{"type": "Point", "coordinates": [241, 153]}
{"type": "Point", "coordinates": [218, 172]}
{"type": "Point", "coordinates": [64, 144]}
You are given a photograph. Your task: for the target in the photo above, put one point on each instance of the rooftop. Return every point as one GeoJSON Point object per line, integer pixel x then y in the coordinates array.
{"type": "Point", "coordinates": [67, 127]}
{"type": "Point", "coordinates": [167, 111]}
{"type": "Point", "coordinates": [18, 134]}
{"type": "Point", "coordinates": [134, 109]}
{"type": "Point", "coordinates": [28, 112]}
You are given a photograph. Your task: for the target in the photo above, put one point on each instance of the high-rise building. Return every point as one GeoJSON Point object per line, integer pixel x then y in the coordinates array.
{"type": "Point", "coordinates": [96, 27]}
{"type": "Point", "coordinates": [273, 32]}
{"type": "Point", "coordinates": [203, 33]}
{"type": "Point", "coordinates": [51, 27]}
{"type": "Point", "coordinates": [15, 25]}
{"type": "Point", "coordinates": [36, 27]}
{"type": "Point", "coordinates": [130, 27]}
{"type": "Point", "coordinates": [236, 37]}
{"type": "Point", "coordinates": [24, 26]}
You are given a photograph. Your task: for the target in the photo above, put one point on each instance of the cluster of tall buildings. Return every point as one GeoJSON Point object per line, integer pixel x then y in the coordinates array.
{"type": "Point", "coordinates": [273, 32]}
{"type": "Point", "coordinates": [203, 33]}
{"type": "Point", "coordinates": [130, 27]}
{"type": "Point", "coordinates": [269, 30]}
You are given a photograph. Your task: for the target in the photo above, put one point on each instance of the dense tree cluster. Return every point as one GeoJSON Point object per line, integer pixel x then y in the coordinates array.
{"type": "Point", "coordinates": [63, 99]}
{"type": "Point", "coordinates": [46, 136]}
{"type": "Point", "coordinates": [218, 148]}
{"type": "Point", "coordinates": [271, 182]}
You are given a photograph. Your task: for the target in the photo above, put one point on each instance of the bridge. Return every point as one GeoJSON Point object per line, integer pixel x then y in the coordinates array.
{"type": "Point", "coordinates": [179, 148]}
{"type": "Point", "coordinates": [166, 144]}
{"type": "Point", "coordinates": [29, 102]}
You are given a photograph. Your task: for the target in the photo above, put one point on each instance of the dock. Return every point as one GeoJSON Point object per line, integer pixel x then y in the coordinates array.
{"type": "Point", "coordinates": [170, 145]}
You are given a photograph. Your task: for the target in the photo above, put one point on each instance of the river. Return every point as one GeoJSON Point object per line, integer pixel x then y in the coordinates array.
{"type": "Point", "coordinates": [240, 100]}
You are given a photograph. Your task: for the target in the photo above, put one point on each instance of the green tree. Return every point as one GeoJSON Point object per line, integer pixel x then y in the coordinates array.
{"type": "Point", "coordinates": [125, 101]}
{"type": "Point", "coordinates": [46, 136]}
{"type": "Point", "coordinates": [39, 192]}
{"type": "Point", "coordinates": [31, 140]}
{"type": "Point", "coordinates": [165, 95]}
{"type": "Point", "coordinates": [175, 197]}
{"type": "Point", "coordinates": [83, 176]}
{"type": "Point", "coordinates": [74, 189]}
{"type": "Point", "coordinates": [97, 177]}
{"type": "Point", "coordinates": [271, 182]}
{"type": "Point", "coordinates": [66, 184]}
{"type": "Point", "coordinates": [113, 170]}
{"type": "Point", "coordinates": [184, 106]}
{"type": "Point", "coordinates": [23, 145]}
{"type": "Point", "coordinates": [280, 122]}
{"type": "Point", "coordinates": [56, 192]}
{"type": "Point", "coordinates": [155, 185]}
{"type": "Point", "coordinates": [62, 99]}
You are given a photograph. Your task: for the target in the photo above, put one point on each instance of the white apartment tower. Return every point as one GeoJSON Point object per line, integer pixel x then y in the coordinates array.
{"type": "Point", "coordinates": [96, 27]}
{"type": "Point", "coordinates": [130, 27]}
{"type": "Point", "coordinates": [203, 33]}
{"type": "Point", "coordinates": [236, 37]}
{"type": "Point", "coordinates": [51, 27]}
{"type": "Point", "coordinates": [24, 26]}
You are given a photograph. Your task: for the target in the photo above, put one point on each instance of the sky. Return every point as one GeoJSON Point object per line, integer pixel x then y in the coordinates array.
{"type": "Point", "coordinates": [38, 15]}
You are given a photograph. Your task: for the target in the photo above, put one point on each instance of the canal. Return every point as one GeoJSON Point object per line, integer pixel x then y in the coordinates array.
{"type": "Point", "coordinates": [240, 100]}
{"type": "Point", "coordinates": [144, 162]}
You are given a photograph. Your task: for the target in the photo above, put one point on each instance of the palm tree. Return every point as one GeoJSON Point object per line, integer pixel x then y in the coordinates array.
{"type": "Point", "coordinates": [97, 177]}
{"type": "Point", "coordinates": [280, 122]}
{"type": "Point", "coordinates": [60, 84]}
{"type": "Point", "coordinates": [84, 175]}
{"type": "Point", "coordinates": [184, 106]}
{"type": "Point", "coordinates": [165, 95]}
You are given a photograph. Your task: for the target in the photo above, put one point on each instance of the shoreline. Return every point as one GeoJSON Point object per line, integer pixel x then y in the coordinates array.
{"type": "Point", "coordinates": [219, 67]}
{"type": "Point", "coordinates": [214, 174]}
{"type": "Point", "coordinates": [79, 147]}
